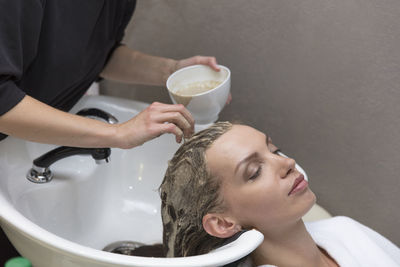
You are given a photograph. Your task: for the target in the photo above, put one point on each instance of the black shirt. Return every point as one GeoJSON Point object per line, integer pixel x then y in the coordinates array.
{"type": "Point", "coordinates": [53, 50]}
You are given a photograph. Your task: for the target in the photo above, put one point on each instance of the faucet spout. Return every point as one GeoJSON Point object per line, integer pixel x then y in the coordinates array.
{"type": "Point", "coordinates": [40, 171]}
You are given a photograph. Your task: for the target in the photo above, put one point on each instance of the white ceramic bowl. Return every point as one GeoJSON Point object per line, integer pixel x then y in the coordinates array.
{"type": "Point", "coordinates": [205, 106]}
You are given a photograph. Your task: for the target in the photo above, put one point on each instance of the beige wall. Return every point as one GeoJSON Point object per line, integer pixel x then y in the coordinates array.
{"type": "Point", "coordinates": [321, 77]}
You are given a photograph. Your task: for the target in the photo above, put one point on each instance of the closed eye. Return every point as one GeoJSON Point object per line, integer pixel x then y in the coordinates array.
{"type": "Point", "coordinates": [256, 174]}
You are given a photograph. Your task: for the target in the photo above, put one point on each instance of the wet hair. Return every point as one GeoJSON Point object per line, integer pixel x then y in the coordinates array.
{"type": "Point", "coordinates": [188, 192]}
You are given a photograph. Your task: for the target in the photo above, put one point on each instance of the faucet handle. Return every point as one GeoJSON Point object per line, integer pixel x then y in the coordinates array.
{"type": "Point", "coordinates": [96, 113]}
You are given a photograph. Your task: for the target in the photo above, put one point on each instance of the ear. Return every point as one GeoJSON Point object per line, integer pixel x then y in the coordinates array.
{"type": "Point", "coordinates": [220, 225]}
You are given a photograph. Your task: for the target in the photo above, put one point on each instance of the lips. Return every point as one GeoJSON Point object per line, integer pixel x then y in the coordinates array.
{"type": "Point", "coordinates": [299, 185]}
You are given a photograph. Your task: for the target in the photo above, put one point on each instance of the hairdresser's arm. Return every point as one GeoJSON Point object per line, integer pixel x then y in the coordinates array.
{"type": "Point", "coordinates": [35, 121]}
{"type": "Point", "coordinates": [131, 66]}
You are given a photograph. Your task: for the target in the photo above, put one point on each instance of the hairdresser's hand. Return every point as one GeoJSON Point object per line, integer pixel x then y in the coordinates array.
{"type": "Point", "coordinates": [208, 61]}
{"type": "Point", "coordinates": [154, 121]}
{"type": "Point", "coordinates": [197, 60]}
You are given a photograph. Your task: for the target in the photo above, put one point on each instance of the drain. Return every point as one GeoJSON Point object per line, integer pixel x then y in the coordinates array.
{"type": "Point", "coordinates": [132, 248]}
{"type": "Point", "coordinates": [123, 247]}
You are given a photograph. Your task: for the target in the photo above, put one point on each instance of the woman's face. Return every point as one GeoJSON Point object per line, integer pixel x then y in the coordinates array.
{"type": "Point", "coordinates": [260, 189]}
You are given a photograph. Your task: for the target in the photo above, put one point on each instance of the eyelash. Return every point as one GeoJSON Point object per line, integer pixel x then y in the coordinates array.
{"type": "Point", "coordinates": [276, 152]}
{"type": "Point", "coordinates": [257, 173]}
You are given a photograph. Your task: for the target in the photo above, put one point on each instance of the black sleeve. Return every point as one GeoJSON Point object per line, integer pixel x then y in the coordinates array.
{"type": "Point", "coordinates": [20, 22]}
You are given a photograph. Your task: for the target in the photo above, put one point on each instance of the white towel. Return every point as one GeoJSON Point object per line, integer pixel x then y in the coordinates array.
{"type": "Point", "coordinates": [352, 244]}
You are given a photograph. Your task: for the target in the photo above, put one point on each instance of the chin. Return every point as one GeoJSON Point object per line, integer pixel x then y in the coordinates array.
{"type": "Point", "coordinates": [304, 204]}
{"type": "Point", "coordinates": [310, 199]}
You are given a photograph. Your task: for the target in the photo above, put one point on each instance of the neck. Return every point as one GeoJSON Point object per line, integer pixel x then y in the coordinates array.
{"type": "Point", "coordinates": [289, 246]}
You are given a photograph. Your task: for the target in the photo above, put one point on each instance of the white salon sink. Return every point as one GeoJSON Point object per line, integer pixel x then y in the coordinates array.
{"type": "Point", "coordinates": [68, 221]}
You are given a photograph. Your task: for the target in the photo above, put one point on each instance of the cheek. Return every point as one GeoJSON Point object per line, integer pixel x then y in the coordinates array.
{"type": "Point", "coordinates": [256, 203]}
{"type": "Point", "coordinates": [272, 210]}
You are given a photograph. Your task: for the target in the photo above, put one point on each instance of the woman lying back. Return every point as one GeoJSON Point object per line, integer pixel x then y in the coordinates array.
{"type": "Point", "coordinates": [229, 178]}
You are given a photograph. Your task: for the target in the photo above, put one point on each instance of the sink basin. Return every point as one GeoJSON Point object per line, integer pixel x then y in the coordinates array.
{"type": "Point", "coordinates": [86, 207]}
{"type": "Point", "coordinates": [67, 222]}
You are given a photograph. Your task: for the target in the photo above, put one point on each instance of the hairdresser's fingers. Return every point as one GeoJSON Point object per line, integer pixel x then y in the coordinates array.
{"type": "Point", "coordinates": [157, 107]}
{"type": "Point", "coordinates": [203, 60]}
{"type": "Point", "coordinates": [178, 108]}
{"type": "Point", "coordinates": [144, 127]}
{"type": "Point", "coordinates": [171, 128]}
{"type": "Point", "coordinates": [177, 114]}
{"type": "Point", "coordinates": [178, 119]}
{"type": "Point", "coordinates": [208, 61]}
{"type": "Point", "coordinates": [213, 64]}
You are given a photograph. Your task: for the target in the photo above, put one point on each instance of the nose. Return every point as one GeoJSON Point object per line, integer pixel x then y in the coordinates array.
{"type": "Point", "coordinates": [287, 166]}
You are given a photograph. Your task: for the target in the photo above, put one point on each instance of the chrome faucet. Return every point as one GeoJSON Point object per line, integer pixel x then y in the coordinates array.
{"type": "Point", "coordinates": [40, 171]}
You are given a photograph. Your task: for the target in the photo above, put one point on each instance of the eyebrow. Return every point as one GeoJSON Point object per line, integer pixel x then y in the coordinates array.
{"type": "Point", "coordinates": [250, 157]}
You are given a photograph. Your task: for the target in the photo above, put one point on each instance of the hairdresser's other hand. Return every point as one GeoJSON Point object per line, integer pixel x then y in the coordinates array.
{"type": "Point", "coordinates": [154, 121]}
{"type": "Point", "coordinates": [198, 60]}
{"type": "Point", "coordinates": [208, 61]}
